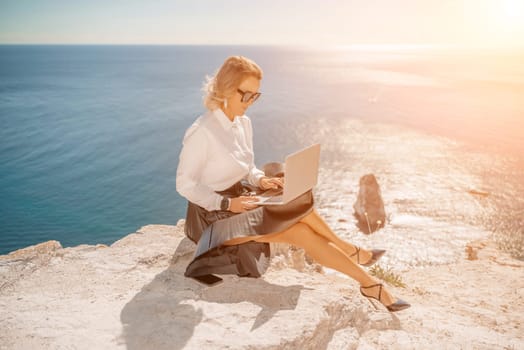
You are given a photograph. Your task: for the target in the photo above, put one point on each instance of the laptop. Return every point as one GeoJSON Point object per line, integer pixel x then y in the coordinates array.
{"type": "Point", "coordinates": [301, 174]}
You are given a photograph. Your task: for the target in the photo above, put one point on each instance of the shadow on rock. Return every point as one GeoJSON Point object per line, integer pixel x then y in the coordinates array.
{"type": "Point", "coordinates": [161, 316]}
{"type": "Point", "coordinates": [269, 297]}
{"type": "Point", "coordinates": [156, 317]}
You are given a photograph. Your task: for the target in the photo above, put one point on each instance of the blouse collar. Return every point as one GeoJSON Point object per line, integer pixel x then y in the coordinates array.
{"type": "Point", "coordinates": [224, 120]}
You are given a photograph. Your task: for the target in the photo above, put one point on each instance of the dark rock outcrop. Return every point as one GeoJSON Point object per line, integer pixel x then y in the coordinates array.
{"type": "Point", "coordinates": [369, 207]}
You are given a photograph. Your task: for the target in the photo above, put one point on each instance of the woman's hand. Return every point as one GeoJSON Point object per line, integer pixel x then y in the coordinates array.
{"type": "Point", "coordinates": [242, 204]}
{"type": "Point", "coordinates": [268, 183]}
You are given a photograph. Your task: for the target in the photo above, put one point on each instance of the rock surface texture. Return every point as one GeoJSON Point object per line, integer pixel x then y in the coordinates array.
{"type": "Point", "coordinates": [133, 295]}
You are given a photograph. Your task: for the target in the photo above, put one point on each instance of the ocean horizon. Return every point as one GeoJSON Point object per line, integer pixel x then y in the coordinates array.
{"type": "Point", "coordinates": [91, 135]}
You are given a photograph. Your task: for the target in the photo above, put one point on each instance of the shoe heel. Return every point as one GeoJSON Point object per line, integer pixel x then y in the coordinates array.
{"type": "Point", "coordinates": [372, 303]}
{"type": "Point", "coordinates": [396, 306]}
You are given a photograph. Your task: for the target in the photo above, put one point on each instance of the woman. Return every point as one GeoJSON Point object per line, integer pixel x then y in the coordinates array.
{"type": "Point", "coordinates": [216, 173]}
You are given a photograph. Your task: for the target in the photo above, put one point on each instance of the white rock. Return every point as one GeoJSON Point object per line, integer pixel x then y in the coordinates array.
{"type": "Point", "coordinates": [133, 295]}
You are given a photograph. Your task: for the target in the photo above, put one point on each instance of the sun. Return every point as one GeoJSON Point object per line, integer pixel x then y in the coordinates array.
{"type": "Point", "coordinates": [511, 15]}
{"type": "Point", "coordinates": [503, 23]}
{"type": "Point", "coordinates": [513, 12]}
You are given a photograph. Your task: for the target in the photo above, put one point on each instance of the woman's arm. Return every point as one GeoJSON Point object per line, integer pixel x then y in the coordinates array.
{"type": "Point", "coordinates": [255, 174]}
{"type": "Point", "coordinates": [193, 159]}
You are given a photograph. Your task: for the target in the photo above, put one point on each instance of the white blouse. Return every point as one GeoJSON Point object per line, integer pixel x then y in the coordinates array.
{"type": "Point", "coordinates": [216, 153]}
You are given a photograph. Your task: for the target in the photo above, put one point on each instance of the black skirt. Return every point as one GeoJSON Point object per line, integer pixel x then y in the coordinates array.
{"type": "Point", "coordinates": [210, 229]}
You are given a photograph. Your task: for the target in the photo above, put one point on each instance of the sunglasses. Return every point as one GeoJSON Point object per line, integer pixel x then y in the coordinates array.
{"type": "Point", "coordinates": [248, 96]}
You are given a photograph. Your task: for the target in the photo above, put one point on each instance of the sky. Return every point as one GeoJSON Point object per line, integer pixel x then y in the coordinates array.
{"type": "Point", "coordinates": [476, 23]}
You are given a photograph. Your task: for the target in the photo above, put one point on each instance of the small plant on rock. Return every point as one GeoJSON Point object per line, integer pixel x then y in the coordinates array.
{"type": "Point", "coordinates": [387, 275]}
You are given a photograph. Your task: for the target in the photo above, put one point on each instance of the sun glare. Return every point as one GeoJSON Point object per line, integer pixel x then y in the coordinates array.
{"type": "Point", "coordinates": [514, 10]}
{"type": "Point", "coordinates": [500, 22]}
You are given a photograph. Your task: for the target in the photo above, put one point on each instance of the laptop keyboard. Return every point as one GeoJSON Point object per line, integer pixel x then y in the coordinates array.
{"type": "Point", "coordinates": [272, 193]}
{"type": "Point", "coordinates": [275, 199]}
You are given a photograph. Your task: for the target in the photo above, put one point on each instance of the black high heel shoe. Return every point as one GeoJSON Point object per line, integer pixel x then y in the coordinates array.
{"type": "Point", "coordinates": [375, 255]}
{"type": "Point", "coordinates": [396, 306]}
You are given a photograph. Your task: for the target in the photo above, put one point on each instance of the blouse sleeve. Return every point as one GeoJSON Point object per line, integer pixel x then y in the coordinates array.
{"type": "Point", "coordinates": [255, 174]}
{"type": "Point", "coordinates": [193, 158]}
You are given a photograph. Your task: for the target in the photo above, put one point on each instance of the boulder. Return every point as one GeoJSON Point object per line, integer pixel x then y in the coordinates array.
{"type": "Point", "coordinates": [369, 206]}
{"type": "Point", "coordinates": [133, 295]}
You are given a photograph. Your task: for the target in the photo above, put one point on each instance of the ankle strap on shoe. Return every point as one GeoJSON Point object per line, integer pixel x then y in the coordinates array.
{"type": "Point", "coordinates": [371, 286]}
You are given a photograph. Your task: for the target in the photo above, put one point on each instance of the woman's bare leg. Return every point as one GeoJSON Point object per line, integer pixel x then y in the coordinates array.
{"type": "Point", "coordinates": [321, 250]}
{"type": "Point", "coordinates": [317, 224]}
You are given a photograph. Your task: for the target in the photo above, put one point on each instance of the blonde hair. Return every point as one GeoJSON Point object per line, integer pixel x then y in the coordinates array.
{"type": "Point", "coordinates": [227, 79]}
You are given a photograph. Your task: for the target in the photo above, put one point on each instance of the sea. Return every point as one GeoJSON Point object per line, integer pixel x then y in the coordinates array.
{"type": "Point", "coordinates": [90, 137]}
